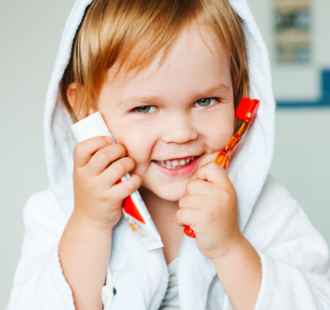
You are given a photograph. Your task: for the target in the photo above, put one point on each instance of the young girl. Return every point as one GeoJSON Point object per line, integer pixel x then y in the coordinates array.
{"type": "Point", "coordinates": [167, 77]}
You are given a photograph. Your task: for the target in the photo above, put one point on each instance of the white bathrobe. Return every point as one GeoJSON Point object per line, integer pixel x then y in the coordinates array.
{"type": "Point", "coordinates": [294, 256]}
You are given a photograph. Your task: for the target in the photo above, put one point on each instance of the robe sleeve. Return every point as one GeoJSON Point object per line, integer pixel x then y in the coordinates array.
{"type": "Point", "coordinates": [293, 254]}
{"type": "Point", "coordinates": [39, 282]}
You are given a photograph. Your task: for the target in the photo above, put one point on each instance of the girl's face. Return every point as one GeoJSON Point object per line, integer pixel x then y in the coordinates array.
{"type": "Point", "coordinates": [176, 118]}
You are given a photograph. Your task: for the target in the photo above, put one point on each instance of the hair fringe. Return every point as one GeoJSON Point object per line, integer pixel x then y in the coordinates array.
{"type": "Point", "coordinates": [131, 33]}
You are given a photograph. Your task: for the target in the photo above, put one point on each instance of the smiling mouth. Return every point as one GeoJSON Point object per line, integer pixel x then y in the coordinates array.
{"type": "Point", "coordinates": [176, 163]}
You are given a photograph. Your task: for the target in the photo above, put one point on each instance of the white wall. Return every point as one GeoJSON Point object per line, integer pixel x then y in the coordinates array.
{"type": "Point", "coordinates": [302, 149]}
{"type": "Point", "coordinates": [296, 81]}
{"type": "Point", "coordinates": [301, 161]}
{"type": "Point", "coordinates": [29, 34]}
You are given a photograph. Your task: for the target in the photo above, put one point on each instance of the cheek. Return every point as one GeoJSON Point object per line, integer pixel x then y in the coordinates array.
{"type": "Point", "coordinates": [138, 142]}
{"type": "Point", "coordinates": [217, 132]}
{"type": "Point", "coordinates": [215, 136]}
{"type": "Point", "coordinates": [218, 140]}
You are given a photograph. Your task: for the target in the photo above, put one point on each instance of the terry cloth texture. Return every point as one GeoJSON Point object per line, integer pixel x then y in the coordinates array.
{"type": "Point", "coordinates": [171, 298]}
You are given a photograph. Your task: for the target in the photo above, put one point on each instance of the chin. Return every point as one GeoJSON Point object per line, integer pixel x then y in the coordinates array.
{"type": "Point", "coordinates": [170, 193]}
{"type": "Point", "coordinates": [171, 197]}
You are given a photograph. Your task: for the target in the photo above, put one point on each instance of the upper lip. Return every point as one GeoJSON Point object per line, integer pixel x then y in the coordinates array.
{"type": "Point", "coordinates": [177, 158]}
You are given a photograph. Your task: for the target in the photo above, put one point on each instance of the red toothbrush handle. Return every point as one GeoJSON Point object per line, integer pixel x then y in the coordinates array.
{"type": "Point", "coordinates": [222, 160]}
{"type": "Point", "coordinates": [247, 112]}
{"type": "Point", "coordinates": [189, 232]}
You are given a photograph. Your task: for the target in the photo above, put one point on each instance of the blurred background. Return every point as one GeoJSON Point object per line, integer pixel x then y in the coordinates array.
{"type": "Point", "coordinates": [297, 35]}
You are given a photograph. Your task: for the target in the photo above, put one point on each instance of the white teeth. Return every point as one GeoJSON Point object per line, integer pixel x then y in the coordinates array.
{"type": "Point", "coordinates": [175, 163]}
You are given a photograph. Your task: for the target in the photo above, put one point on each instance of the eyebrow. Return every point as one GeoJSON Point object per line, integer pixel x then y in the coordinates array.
{"type": "Point", "coordinates": [151, 99]}
{"type": "Point", "coordinates": [147, 100]}
{"type": "Point", "coordinates": [221, 87]}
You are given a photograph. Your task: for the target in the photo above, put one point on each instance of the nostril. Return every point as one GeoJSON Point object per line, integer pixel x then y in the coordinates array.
{"type": "Point", "coordinates": [114, 291]}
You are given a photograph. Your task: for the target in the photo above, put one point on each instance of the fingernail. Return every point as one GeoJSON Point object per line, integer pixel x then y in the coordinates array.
{"type": "Point", "coordinates": [108, 139]}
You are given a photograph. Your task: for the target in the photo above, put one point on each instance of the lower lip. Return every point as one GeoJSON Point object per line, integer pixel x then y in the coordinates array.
{"type": "Point", "coordinates": [179, 171]}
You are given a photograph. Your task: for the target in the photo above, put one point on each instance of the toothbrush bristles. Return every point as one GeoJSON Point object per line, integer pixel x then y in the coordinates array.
{"type": "Point", "coordinates": [247, 109]}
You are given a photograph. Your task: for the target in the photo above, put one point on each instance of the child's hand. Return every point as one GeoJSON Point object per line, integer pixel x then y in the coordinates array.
{"type": "Point", "coordinates": [98, 165]}
{"type": "Point", "coordinates": [210, 209]}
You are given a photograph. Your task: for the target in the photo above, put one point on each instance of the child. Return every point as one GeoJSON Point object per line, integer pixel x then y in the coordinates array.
{"type": "Point", "coordinates": [166, 77]}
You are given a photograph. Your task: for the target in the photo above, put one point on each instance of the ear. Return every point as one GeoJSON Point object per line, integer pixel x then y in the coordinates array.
{"type": "Point", "coordinates": [71, 94]}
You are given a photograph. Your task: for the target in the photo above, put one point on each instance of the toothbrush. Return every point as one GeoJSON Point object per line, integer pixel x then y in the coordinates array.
{"type": "Point", "coordinates": [247, 112]}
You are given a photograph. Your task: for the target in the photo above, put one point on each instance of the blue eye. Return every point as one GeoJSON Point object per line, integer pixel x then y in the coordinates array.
{"type": "Point", "coordinates": [205, 102]}
{"type": "Point", "coordinates": [146, 109]}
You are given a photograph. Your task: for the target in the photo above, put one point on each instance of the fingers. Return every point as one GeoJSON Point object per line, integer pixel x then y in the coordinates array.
{"type": "Point", "coordinates": [212, 173]}
{"type": "Point", "coordinates": [187, 217]}
{"type": "Point", "coordinates": [200, 187]}
{"type": "Point", "coordinates": [123, 190]}
{"type": "Point", "coordinates": [192, 202]}
{"type": "Point", "coordinates": [104, 157]}
{"type": "Point", "coordinates": [193, 210]}
{"type": "Point", "coordinates": [116, 171]}
{"type": "Point", "coordinates": [84, 151]}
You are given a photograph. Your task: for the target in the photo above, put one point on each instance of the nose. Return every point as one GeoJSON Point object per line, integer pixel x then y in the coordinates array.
{"type": "Point", "coordinates": [179, 129]}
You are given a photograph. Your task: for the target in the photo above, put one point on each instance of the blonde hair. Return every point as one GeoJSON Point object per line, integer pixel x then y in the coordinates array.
{"type": "Point", "coordinates": [131, 33]}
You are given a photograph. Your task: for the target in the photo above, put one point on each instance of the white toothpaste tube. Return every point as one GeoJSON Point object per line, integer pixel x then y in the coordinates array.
{"type": "Point", "coordinates": [134, 209]}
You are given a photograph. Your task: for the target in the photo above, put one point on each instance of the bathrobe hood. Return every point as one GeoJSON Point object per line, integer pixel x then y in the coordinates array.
{"type": "Point", "coordinates": [248, 171]}
{"type": "Point", "coordinates": [251, 161]}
